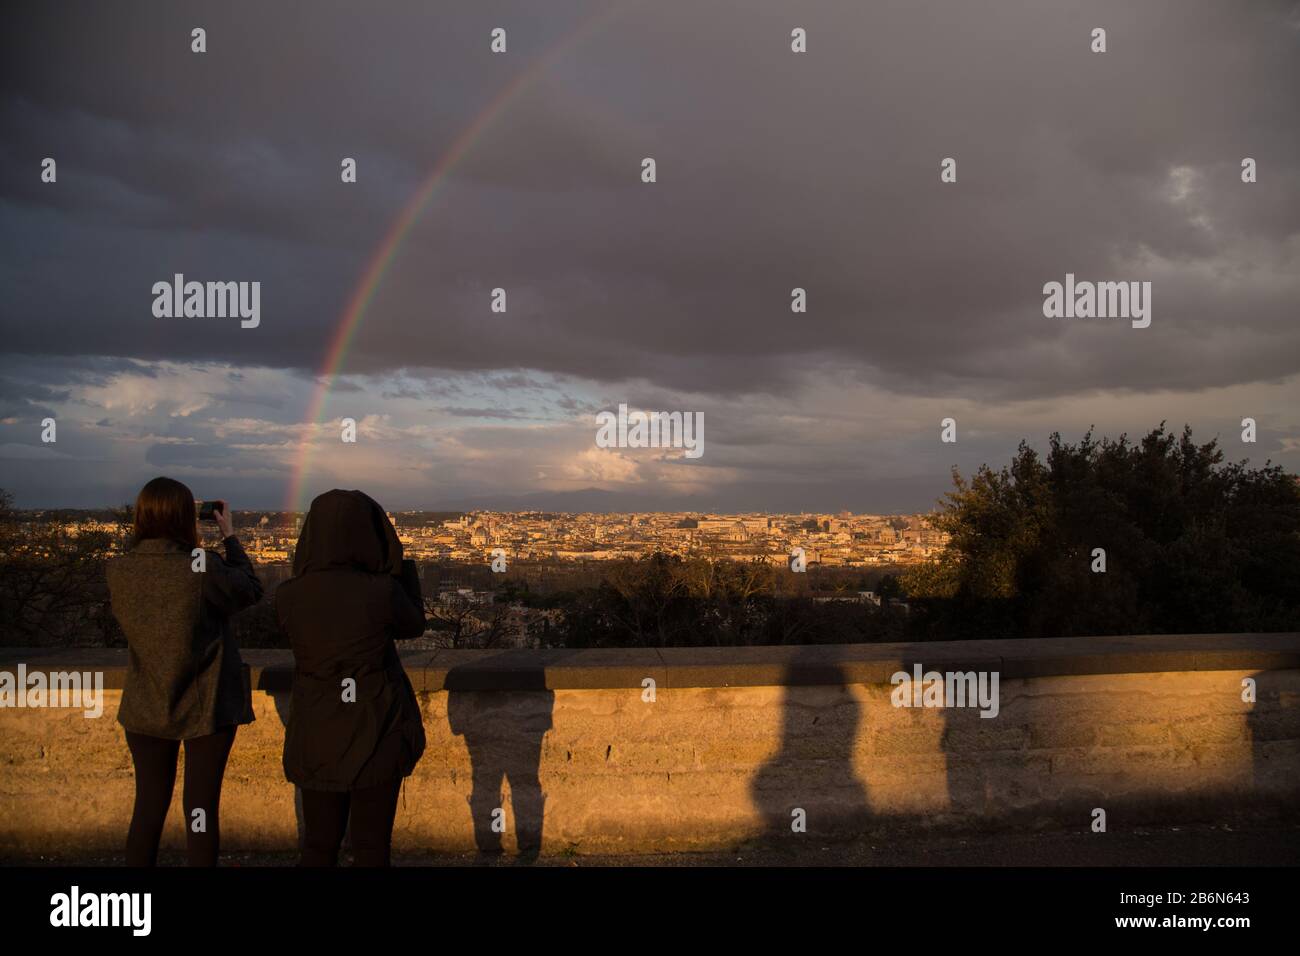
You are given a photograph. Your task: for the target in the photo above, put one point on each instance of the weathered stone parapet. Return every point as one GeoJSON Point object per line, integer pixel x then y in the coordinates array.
{"type": "Point", "coordinates": [662, 749]}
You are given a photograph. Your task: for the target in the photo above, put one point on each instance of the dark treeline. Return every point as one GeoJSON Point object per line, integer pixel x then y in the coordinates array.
{"type": "Point", "coordinates": [666, 600]}
{"type": "Point", "coordinates": [52, 586]}
{"type": "Point", "coordinates": [1191, 545]}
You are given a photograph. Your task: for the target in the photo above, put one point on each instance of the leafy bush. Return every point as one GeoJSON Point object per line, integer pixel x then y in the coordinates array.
{"type": "Point", "coordinates": [1192, 545]}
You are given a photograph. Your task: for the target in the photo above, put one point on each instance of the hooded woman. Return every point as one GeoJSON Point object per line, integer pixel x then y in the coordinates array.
{"type": "Point", "coordinates": [354, 729]}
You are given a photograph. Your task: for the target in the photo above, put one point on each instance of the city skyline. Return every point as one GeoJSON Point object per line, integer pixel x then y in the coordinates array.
{"type": "Point", "coordinates": [840, 540]}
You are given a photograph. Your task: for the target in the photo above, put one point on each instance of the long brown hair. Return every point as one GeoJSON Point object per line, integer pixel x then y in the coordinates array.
{"type": "Point", "coordinates": [165, 509]}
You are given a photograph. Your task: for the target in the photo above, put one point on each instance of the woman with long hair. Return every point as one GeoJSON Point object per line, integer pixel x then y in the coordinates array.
{"type": "Point", "coordinates": [185, 681]}
{"type": "Point", "coordinates": [354, 729]}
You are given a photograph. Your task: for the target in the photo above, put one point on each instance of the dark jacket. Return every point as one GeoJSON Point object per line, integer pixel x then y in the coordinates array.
{"type": "Point", "coordinates": [184, 675]}
{"type": "Point", "coordinates": [350, 597]}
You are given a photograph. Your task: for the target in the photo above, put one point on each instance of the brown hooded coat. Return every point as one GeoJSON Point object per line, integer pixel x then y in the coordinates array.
{"type": "Point", "coordinates": [354, 720]}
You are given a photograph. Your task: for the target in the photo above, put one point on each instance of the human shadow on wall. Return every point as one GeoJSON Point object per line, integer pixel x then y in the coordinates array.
{"type": "Point", "coordinates": [1000, 771]}
{"type": "Point", "coordinates": [1273, 781]}
{"type": "Point", "coordinates": [813, 771]}
{"type": "Point", "coordinates": [503, 730]}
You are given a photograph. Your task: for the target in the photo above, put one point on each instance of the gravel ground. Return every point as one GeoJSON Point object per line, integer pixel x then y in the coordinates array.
{"type": "Point", "coordinates": [1172, 846]}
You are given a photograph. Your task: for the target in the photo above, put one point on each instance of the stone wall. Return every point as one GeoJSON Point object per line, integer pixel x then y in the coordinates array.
{"type": "Point", "coordinates": [648, 750]}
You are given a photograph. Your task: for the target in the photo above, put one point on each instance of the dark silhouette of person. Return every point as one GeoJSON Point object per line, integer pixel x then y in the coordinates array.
{"type": "Point", "coordinates": [354, 729]}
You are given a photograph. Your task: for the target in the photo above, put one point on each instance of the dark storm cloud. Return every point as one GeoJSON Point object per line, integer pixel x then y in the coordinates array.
{"type": "Point", "coordinates": [28, 385]}
{"type": "Point", "coordinates": [504, 413]}
{"type": "Point", "coordinates": [11, 391]}
{"type": "Point", "coordinates": [166, 456]}
{"type": "Point", "coordinates": [775, 171]}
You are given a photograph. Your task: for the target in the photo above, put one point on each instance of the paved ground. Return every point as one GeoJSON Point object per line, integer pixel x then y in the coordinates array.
{"type": "Point", "coordinates": [1173, 846]}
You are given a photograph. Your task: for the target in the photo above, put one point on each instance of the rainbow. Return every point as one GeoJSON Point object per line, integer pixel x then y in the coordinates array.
{"type": "Point", "coordinates": [386, 255]}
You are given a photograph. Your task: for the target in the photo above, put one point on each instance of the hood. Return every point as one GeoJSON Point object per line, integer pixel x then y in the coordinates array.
{"type": "Point", "coordinates": [347, 529]}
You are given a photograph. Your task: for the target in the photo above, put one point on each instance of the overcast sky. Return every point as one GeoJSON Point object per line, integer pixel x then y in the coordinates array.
{"type": "Point", "coordinates": [775, 170]}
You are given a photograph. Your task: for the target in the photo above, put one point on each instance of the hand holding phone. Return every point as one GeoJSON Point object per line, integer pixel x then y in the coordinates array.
{"type": "Point", "coordinates": [218, 511]}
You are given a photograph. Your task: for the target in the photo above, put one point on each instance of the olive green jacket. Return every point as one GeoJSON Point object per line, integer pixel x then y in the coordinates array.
{"type": "Point", "coordinates": [184, 674]}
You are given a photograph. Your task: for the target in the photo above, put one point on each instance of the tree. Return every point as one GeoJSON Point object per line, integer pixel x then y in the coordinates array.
{"type": "Point", "coordinates": [463, 622]}
{"type": "Point", "coordinates": [889, 588]}
{"type": "Point", "coordinates": [1190, 544]}
{"type": "Point", "coordinates": [52, 586]}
